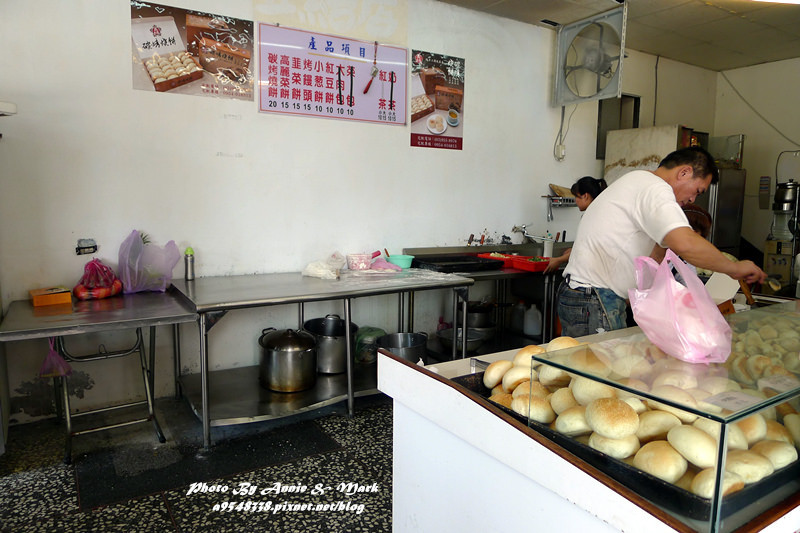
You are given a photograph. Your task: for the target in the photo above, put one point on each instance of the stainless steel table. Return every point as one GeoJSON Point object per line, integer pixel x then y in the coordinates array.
{"type": "Point", "coordinates": [130, 311]}
{"type": "Point", "coordinates": [213, 297]}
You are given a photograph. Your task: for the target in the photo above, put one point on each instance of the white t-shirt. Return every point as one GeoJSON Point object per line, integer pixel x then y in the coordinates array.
{"type": "Point", "coordinates": [624, 222]}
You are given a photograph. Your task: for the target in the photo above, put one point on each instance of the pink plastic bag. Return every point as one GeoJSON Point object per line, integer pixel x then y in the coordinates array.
{"type": "Point", "coordinates": [98, 281]}
{"type": "Point", "coordinates": [681, 320]}
{"type": "Point", "coordinates": [54, 365]}
{"type": "Point", "coordinates": [146, 267]}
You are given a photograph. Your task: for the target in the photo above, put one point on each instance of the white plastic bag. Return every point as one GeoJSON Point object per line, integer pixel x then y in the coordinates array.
{"type": "Point", "coordinates": [326, 269]}
{"type": "Point", "coordinates": [682, 320]}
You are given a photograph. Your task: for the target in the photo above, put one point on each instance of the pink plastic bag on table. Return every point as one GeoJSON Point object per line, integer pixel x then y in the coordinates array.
{"type": "Point", "coordinates": [682, 320]}
{"type": "Point", "coordinates": [146, 267]}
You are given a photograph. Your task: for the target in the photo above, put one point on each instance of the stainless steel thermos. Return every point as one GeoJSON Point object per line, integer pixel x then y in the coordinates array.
{"type": "Point", "coordinates": [188, 260]}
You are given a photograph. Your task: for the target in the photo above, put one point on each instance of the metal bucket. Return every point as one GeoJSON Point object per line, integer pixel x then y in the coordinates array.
{"type": "Point", "coordinates": [329, 333]}
{"type": "Point", "coordinates": [409, 346]}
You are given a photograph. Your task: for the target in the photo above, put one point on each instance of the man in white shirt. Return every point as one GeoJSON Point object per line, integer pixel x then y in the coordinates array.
{"type": "Point", "coordinates": [639, 214]}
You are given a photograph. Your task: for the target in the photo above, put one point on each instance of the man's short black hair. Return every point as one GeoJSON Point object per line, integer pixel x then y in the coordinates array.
{"type": "Point", "coordinates": [700, 160]}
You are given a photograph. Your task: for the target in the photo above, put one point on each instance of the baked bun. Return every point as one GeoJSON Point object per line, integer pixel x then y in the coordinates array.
{"type": "Point", "coordinates": [792, 424]}
{"type": "Point", "coordinates": [494, 373]}
{"type": "Point", "coordinates": [736, 439]}
{"type": "Point", "coordinates": [514, 376]}
{"type": "Point", "coordinates": [535, 408]}
{"type": "Point", "coordinates": [572, 422]}
{"type": "Point", "coordinates": [616, 448]}
{"type": "Point", "coordinates": [498, 389]}
{"type": "Point", "coordinates": [779, 453]}
{"type": "Point", "coordinates": [612, 418]}
{"type": "Point", "coordinates": [705, 480]}
{"type": "Point", "coordinates": [654, 425]}
{"type": "Point", "coordinates": [753, 467]}
{"type": "Point", "coordinates": [523, 356]}
{"type": "Point", "coordinates": [676, 378]}
{"type": "Point", "coordinates": [632, 383]}
{"type": "Point", "coordinates": [685, 481]}
{"type": "Point", "coordinates": [502, 398]}
{"type": "Point", "coordinates": [660, 459]}
{"type": "Point", "coordinates": [637, 404]}
{"type": "Point", "coordinates": [717, 384]}
{"type": "Point", "coordinates": [522, 388]}
{"type": "Point", "coordinates": [535, 388]}
{"type": "Point", "coordinates": [551, 376]}
{"type": "Point", "coordinates": [586, 361]}
{"type": "Point", "coordinates": [777, 431]}
{"type": "Point", "coordinates": [695, 445]}
{"type": "Point", "coordinates": [754, 428]}
{"type": "Point", "coordinates": [562, 399]}
{"type": "Point", "coordinates": [587, 390]}
{"type": "Point", "coordinates": [560, 343]}
{"type": "Point", "coordinates": [630, 366]}
{"type": "Point", "coordinates": [670, 392]}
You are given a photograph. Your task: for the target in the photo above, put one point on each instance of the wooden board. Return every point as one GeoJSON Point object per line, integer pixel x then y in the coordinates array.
{"type": "Point", "coordinates": [563, 192]}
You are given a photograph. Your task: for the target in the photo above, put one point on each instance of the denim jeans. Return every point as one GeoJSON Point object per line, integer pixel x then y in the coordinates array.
{"type": "Point", "coordinates": [583, 311]}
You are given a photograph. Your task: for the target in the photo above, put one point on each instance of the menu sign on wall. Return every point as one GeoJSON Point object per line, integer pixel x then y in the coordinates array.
{"type": "Point", "coordinates": [319, 75]}
{"type": "Point", "coordinates": [437, 100]}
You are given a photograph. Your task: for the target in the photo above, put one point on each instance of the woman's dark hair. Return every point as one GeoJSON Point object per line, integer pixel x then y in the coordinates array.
{"type": "Point", "coordinates": [702, 162]}
{"type": "Point", "coordinates": [699, 219]}
{"type": "Point", "coordinates": [589, 185]}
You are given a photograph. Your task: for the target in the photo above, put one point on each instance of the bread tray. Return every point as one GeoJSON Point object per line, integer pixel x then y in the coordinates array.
{"type": "Point", "coordinates": [658, 491]}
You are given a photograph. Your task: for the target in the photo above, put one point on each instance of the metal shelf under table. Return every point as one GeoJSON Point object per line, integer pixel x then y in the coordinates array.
{"type": "Point", "coordinates": [239, 398]}
{"type": "Point", "coordinates": [213, 297]}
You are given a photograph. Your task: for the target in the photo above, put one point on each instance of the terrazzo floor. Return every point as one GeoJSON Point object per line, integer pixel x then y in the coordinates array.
{"type": "Point", "coordinates": [320, 471]}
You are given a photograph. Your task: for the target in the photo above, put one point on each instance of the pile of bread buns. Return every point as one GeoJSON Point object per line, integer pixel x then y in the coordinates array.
{"type": "Point", "coordinates": [666, 442]}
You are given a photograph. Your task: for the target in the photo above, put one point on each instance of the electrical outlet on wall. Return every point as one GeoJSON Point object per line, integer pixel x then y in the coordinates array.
{"type": "Point", "coordinates": [86, 246]}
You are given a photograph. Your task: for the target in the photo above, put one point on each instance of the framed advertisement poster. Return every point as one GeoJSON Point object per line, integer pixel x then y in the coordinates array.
{"type": "Point", "coordinates": [317, 75]}
{"type": "Point", "coordinates": [437, 100]}
{"type": "Point", "coordinates": [191, 52]}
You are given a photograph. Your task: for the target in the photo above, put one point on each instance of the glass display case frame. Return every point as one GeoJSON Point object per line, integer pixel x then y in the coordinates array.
{"type": "Point", "coordinates": [608, 357]}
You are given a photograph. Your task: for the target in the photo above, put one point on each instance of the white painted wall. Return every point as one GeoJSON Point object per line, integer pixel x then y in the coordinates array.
{"type": "Point", "coordinates": [763, 103]}
{"type": "Point", "coordinates": [87, 156]}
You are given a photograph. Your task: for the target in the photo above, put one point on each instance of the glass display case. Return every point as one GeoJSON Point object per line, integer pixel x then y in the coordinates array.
{"type": "Point", "coordinates": [660, 426]}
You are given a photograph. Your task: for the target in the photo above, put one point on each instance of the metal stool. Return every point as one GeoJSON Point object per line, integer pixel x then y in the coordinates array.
{"type": "Point", "coordinates": [147, 375]}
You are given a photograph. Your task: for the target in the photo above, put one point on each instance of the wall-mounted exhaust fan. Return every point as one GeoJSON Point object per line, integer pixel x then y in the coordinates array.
{"type": "Point", "coordinates": [589, 57]}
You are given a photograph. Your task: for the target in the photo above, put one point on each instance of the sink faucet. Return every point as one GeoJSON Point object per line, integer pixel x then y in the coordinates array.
{"type": "Point", "coordinates": [535, 238]}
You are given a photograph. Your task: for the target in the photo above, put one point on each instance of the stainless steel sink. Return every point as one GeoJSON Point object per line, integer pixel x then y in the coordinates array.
{"type": "Point", "coordinates": [521, 249]}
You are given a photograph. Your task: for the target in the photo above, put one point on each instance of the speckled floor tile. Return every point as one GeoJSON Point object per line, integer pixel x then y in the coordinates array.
{"type": "Point", "coordinates": [324, 505]}
{"type": "Point", "coordinates": [37, 494]}
{"type": "Point", "coordinates": [143, 515]}
{"type": "Point", "coordinates": [33, 445]}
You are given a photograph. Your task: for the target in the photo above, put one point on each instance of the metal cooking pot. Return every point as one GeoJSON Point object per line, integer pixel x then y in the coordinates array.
{"type": "Point", "coordinates": [288, 360]}
{"type": "Point", "coordinates": [479, 315]}
{"type": "Point", "coordinates": [329, 333]}
{"type": "Point", "coordinates": [409, 346]}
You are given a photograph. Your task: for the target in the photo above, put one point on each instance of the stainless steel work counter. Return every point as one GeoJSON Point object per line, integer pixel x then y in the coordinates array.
{"type": "Point", "coordinates": [213, 297]}
{"type": "Point", "coordinates": [128, 311]}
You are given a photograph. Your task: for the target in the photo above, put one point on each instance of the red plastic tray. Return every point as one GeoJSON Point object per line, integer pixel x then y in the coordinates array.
{"type": "Point", "coordinates": [507, 259]}
{"type": "Point", "coordinates": [523, 263]}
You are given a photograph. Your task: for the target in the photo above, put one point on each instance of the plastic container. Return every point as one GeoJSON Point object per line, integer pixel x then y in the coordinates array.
{"type": "Point", "coordinates": [518, 316]}
{"type": "Point", "coordinates": [403, 261]}
{"type": "Point", "coordinates": [533, 322]}
{"type": "Point", "coordinates": [359, 261]}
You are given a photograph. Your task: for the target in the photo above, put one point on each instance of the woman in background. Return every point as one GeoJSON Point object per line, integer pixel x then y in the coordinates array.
{"type": "Point", "coordinates": [585, 191]}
